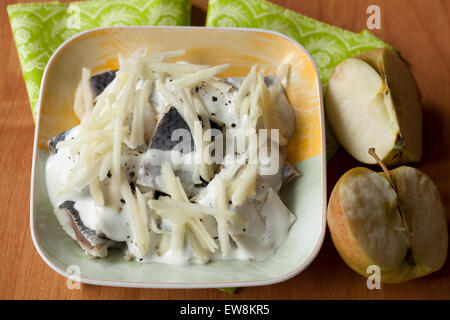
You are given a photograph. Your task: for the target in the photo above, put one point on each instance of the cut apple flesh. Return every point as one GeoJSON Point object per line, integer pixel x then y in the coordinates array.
{"type": "Point", "coordinates": [371, 206]}
{"type": "Point", "coordinates": [425, 216]}
{"type": "Point", "coordinates": [403, 94]}
{"type": "Point", "coordinates": [373, 102]}
{"type": "Point", "coordinates": [357, 112]}
{"type": "Point", "coordinates": [367, 228]}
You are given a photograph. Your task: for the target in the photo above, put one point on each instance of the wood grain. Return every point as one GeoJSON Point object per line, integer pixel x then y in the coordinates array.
{"type": "Point", "coordinates": [418, 28]}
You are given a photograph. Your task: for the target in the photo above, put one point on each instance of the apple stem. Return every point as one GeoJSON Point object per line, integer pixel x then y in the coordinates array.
{"type": "Point", "coordinates": [389, 177]}
{"type": "Point", "coordinates": [382, 165]}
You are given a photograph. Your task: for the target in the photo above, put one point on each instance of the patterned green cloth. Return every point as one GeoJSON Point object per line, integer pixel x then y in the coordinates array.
{"type": "Point", "coordinates": [40, 28]}
{"type": "Point", "coordinates": [328, 45]}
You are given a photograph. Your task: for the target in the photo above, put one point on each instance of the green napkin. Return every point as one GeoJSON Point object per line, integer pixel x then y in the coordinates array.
{"type": "Point", "coordinates": [228, 290]}
{"type": "Point", "coordinates": [40, 28]}
{"type": "Point", "coordinates": [328, 45]}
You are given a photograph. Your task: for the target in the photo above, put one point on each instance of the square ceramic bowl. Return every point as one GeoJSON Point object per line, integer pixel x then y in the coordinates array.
{"type": "Point", "coordinates": [306, 196]}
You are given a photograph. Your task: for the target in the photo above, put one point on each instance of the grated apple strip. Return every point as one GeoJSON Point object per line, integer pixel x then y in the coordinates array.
{"type": "Point", "coordinates": [192, 79]}
{"type": "Point", "coordinates": [205, 239]}
{"type": "Point", "coordinates": [201, 110]}
{"type": "Point", "coordinates": [120, 108]}
{"type": "Point", "coordinates": [200, 254]}
{"type": "Point", "coordinates": [176, 69]}
{"type": "Point", "coordinates": [104, 167]}
{"type": "Point", "coordinates": [102, 148]}
{"type": "Point", "coordinates": [173, 185]}
{"type": "Point", "coordinates": [184, 208]}
{"type": "Point", "coordinates": [100, 114]}
{"type": "Point", "coordinates": [273, 93]}
{"type": "Point", "coordinates": [160, 56]}
{"type": "Point", "coordinates": [244, 90]}
{"type": "Point", "coordinates": [169, 96]}
{"type": "Point", "coordinates": [263, 99]}
{"type": "Point", "coordinates": [139, 226]}
{"type": "Point", "coordinates": [96, 192]}
{"type": "Point", "coordinates": [137, 126]}
{"type": "Point", "coordinates": [142, 209]}
{"type": "Point", "coordinates": [84, 98]}
{"type": "Point", "coordinates": [191, 116]}
{"type": "Point", "coordinates": [85, 137]}
{"type": "Point", "coordinates": [283, 74]}
{"type": "Point", "coordinates": [171, 182]}
{"type": "Point", "coordinates": [221, 202]}
{"type": "Point", "coordinates": [243, 186]}
{"type": "Point", "coordinates": [206, 170]}
{"type": "Point", "coordinates": [178, 228]}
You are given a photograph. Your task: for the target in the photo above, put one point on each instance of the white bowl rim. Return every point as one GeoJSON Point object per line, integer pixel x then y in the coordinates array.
{"type": "Point", "coordinates": [182, 285]}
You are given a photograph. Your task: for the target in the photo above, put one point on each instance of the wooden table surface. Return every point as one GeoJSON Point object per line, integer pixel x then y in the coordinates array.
{"type": "Point", "coordinates": [419, 29]}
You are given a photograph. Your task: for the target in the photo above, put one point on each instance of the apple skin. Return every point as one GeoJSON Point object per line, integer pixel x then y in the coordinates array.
{"type": "Point", "coordinates": [350, 250]}
{"type": "Point", "coordinates": [341, 232]}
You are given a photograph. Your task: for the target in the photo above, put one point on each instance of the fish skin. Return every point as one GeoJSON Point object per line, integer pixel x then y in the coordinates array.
{"type": "Point", "coordinates": [171, 121]}
{"type": "Point", "coordinates": [289, 173]}
{"type": "Point", "coordinates": [159, 194]}
{"type": "Point", "coordinates": [269, 79]}
{"type": "Point", "coordinates": [54, 141]}
{"type": "Point", "coordinates": [162, 138]}
{"type": "Point", "coordinates": [100, 81]}
{"type": "Point", "coordinates": [85, 235]}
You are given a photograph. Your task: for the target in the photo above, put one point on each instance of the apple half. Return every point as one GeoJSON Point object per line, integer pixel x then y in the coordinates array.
{"type": "Point", "coordinates": [372, 101]}
{"type": "Point", "coordinates": [396, 222]}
